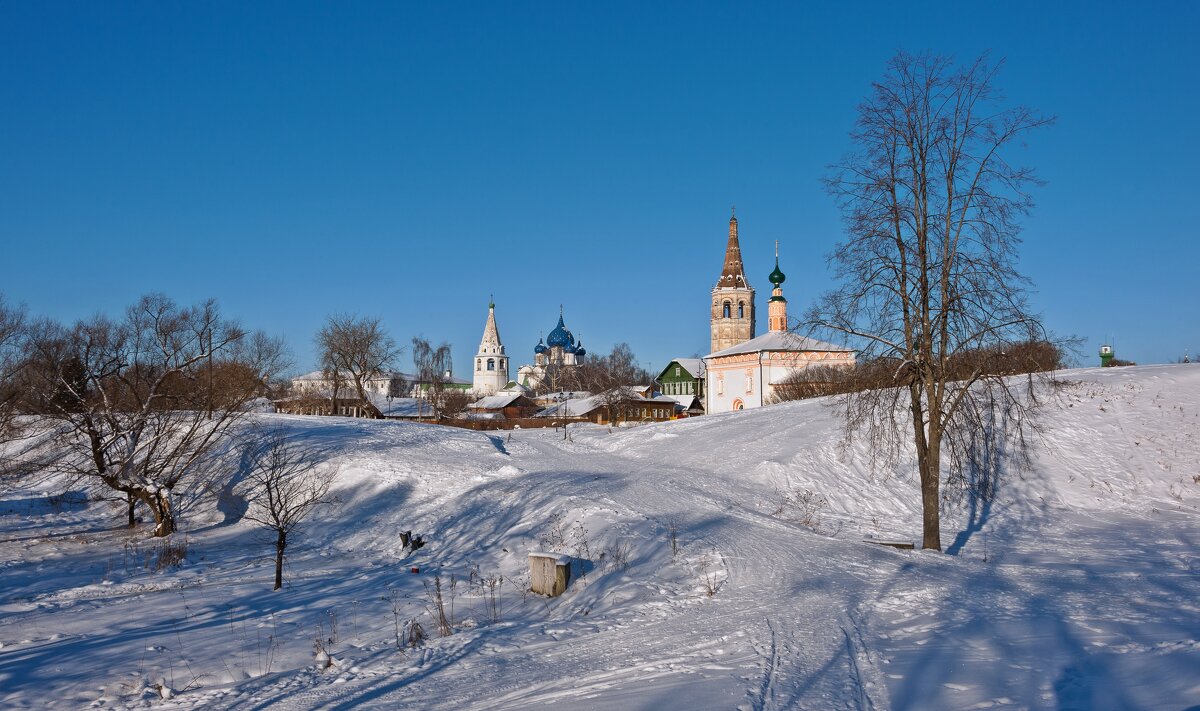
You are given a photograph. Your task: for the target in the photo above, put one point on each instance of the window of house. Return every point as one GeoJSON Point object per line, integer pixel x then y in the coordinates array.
{"type": "Point", "coordinates": [676, 371]}
{"type": "Point", "coordinates": [478, 364]}
{"type": "Point", "coordinates": [721, 385]}
{"type": "Point", "coordinates": [749, 383]}
{"type": "Point", "coordinates": [741, 310]}
{"type": "Point", "coordinates": [725, 310]}
{"type": "Point", "coordinates": [491, 364]}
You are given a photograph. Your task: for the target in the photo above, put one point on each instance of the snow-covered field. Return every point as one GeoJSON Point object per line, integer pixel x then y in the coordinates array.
{"type": "Point", "coordinates": [1078, 588]}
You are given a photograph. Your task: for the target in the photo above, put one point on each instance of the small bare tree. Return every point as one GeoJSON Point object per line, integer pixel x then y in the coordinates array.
{"type": "Point", "coordinates": [932, 207]}
{"type": "Point", "coordinates": [352, 350]}
{"type": "Point", "coordinates": [455, 401]}
{"type": "Point", "coordinates": [433, 367]}
{"type": "Point", "coordinates": [610, 377]}
{"type": "Point", "coordinates": [285, 482]}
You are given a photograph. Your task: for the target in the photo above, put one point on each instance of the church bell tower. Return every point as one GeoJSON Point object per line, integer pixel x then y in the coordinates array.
{"type": "Point", "coordinates": [491, 363]}
{"type": "Point", "coordinates": [732, 319]}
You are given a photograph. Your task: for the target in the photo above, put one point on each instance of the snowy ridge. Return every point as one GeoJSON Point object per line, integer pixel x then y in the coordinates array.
{"type": "Point", "coordinates": [1077, 588]}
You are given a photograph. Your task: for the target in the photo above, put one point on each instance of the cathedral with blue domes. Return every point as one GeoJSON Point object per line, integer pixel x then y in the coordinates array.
{"type": "Point", "coordinates": [559, 349]}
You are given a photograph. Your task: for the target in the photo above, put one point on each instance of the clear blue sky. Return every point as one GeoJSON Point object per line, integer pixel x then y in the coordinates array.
{"type": "Point", "coordinates": [406, 161]}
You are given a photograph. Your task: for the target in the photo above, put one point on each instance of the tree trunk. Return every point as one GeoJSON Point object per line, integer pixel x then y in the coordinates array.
{"type": "Point", "coordinates": [280, 544]}
{"type": "Point", "coordinates": [131, 501]}
{"type": "Point", "coordinates": [164, 515]}
{"type": "Point", "coordinates": [930, 467]}
{"type": "Point", "coordinates": [928, 448]}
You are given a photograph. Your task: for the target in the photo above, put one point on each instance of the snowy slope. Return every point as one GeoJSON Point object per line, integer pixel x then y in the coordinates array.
{"type": "Point", "coordinates": [1077, 588]}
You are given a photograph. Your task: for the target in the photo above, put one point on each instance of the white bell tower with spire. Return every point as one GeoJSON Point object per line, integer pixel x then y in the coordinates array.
{"type": "Point", "coordinates": [491, 364]}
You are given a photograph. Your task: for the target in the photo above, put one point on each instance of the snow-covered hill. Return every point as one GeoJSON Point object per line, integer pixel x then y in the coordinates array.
{"type": "Point", "coordinates": [725, 568]}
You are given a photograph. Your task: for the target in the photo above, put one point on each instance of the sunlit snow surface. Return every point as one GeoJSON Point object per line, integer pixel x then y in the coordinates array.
{"type": "Point", "coordinates": [1079, 588]}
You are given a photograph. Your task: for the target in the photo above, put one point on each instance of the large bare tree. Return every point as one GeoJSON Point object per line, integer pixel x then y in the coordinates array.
{"type": "Point", "coordinates": [353, 350]}
{"type": "Point", "coordinates": [142, 404]}
{"type": "Point", "coordinates": [932, 204]}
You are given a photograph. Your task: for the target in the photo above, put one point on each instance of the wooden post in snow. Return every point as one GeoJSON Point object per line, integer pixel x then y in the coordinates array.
{"type": "Point", "coordinates": [549, 573]}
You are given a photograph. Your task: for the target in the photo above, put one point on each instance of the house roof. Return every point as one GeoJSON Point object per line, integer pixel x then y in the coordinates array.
{"type": "Point", "coordinates": [496, 402]}
{"type": "Point", "coordinates": [581, 406]}
{"type": "Point", "coordinates": [779, 341]}
{"type": "Point", "coordinates": [685, 401]}
{"type": "Point", "coordinates": [693, 366]}
{"type": "Point", "coordinates": [400, 406]}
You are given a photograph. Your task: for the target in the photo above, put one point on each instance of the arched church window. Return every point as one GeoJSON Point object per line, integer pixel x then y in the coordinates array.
{"type": "Point", "coordinates": [478, 364]}
{"type": "Point", "coordinates": [725, 312]}
{"type": "Point", "coordinates": [491, 363]}
{"type": "Point", "coordinates": [741, 309]}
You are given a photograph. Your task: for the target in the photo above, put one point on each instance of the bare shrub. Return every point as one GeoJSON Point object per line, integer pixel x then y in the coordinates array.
{"type": "Point", "coordinates": [618, 555]}
{"type": "Point", "coordinates": [800, 506]}
{"type": "Point", "coordinates": [170, 553]}
{"type": "Point", "coordinates": [414, 634]}
{"type": "Point", "coordinates": [493, 586]}
{"type": "Point", "coordinates": [708, 576]}
{"type": "Point", "coordinates": [437, 605]}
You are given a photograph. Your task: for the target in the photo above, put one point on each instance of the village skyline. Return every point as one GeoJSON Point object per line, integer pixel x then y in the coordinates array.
{"type": "Point", "coordinates": [413, 164]}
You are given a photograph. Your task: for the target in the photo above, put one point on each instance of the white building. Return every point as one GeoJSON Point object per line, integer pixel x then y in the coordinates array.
{"type": "Point", "coordinates": [560, 350]}
{"type": "Point", "coordinates": [491, 364]}
{"type": "Point", "coordinates": [745, 375]}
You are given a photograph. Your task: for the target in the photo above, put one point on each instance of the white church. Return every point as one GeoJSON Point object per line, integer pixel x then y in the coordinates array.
{"type": "Point", "coordinates": [560, 349]}
{"type": "Point", "coordinates": [742, 370]}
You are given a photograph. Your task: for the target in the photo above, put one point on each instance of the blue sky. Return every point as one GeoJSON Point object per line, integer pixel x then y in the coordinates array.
{"type": "Point", "coordinates": [406, 161]}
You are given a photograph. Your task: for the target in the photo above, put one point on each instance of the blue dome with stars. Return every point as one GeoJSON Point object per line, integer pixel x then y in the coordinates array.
{"type": "Point", "coordinates": [540, 347]}
{"type": "Point", "coordinates": [560, 336]}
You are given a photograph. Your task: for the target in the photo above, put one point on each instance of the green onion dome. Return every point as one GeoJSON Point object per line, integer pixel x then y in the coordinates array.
{"type": "Point", "coordinates": [777, 276]}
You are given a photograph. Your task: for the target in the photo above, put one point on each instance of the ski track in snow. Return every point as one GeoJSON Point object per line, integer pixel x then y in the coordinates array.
{"type": "Point", "coordinates": [1076, 589]}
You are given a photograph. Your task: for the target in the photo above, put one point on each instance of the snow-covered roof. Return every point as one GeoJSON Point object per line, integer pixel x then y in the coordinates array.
{"type": "Point", "coordinates": [779, 341]}
{"type": "Point", "coordinates": [577, 407]}
{"type": "Point", "coordinates": [400, 406]}
{"type": "Point", "coordinates": [693, 366]}
{"type": "Point", "coordinates": [563, 396]}
{"type": "Point", "coordinates": [495, 402]}
{"type": "Point", "coordinates": [581, 406]}
{"type": "Point", "coordinates": [685, 401]}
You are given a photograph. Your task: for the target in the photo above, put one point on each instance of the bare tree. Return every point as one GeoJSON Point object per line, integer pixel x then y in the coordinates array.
{"type": "Point", "coordinates": [12, 334]}
{"type": "Point", "coordinates": [932, 204]}
{"type": "Point", "coordinates": [610, 377]}
{"type": "Point", "coordinates": [285, 482]}
{"type": "Point", "coordinates": [433, 368]}
{"type": "Point", "coordinates": [454, 401]}
{"type": "Point", "coordinates": [353, 350]}
{"type": "Point", "coordinates": [143, 404]}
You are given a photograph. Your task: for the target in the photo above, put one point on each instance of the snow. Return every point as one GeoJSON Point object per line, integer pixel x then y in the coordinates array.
{"type": "Point", "coordinates": [1076, 588]}
{"type": "Point", "coordinates": [778, 341]}
{"type": "Point", "coordinates": [495, 402]}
